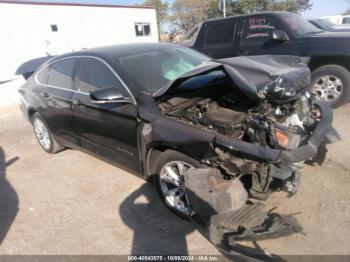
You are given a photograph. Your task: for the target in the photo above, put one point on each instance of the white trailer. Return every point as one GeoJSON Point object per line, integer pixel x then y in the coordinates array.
{"type": "Point", "coordinates": [30, 29]}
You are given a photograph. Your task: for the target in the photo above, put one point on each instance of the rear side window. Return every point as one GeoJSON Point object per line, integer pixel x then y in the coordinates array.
{"type": "Point", "coordinates": [94, 74]}
{"type": "Point", "coordinates": [258, 29]}
{"type": "Point", "coordinates": [61, 73]}
{"type": "Point", "coordinates": [43, 76]}
{"type": "Point", "coordinates": [219, 32]}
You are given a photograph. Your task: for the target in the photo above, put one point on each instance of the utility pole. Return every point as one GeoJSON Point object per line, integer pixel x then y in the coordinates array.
{"type": "Point", "coordinates": [224, 7]}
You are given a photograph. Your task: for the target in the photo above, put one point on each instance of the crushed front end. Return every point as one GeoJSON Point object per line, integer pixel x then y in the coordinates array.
{"type": "Point", "coordinates": [261, 125]}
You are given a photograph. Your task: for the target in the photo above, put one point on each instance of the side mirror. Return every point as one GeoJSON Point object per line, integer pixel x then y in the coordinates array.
{"type": "Point", "coordinates": [279, 35]}
{"type": "Point", "coordinates": [107, 95]}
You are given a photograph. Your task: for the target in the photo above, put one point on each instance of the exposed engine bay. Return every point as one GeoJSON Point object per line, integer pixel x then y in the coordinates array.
{"type": "Point", "coordinates": [251, 124]}
{"type": "Point", "coordinates": [260, 144]}
{"type": "Point", "coordinates": [279, 126]}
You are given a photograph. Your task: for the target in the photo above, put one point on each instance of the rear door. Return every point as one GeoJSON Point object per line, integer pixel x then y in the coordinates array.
{"type": "Point", "coordinates": [56, 90]}
{"type": "Point", "coordinates": [108, 130]}
{"type": "Point", "coordinates": [256, 37]}
{"type": "Point", "coordinates": [217, 38]}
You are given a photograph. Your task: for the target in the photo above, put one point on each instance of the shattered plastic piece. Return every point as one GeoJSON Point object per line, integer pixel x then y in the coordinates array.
{"type": "Point", "coordinates": [210, 194]}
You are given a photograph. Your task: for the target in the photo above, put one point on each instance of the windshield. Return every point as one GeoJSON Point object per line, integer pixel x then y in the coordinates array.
{"type": "Point", "coordinates": [155, 69]}
{"type": "Point", "coordinates": [299, 25]}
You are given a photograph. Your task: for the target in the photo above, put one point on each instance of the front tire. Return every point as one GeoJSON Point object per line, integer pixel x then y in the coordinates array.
{"type": "Point", "coordinates": [44, 135]}
{"type": "Point", "coordinates": [171, 166]}
{"type": "Point", "coordinates": [331, 83]}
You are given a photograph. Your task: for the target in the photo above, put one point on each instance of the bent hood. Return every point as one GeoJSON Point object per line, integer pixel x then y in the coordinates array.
{"type": "Point", "coordinates": [267, 77]}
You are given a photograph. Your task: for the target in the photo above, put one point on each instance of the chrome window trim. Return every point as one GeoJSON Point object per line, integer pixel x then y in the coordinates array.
{"type": "Point", "coordinates": [45, 66]}
{"type": "Point", "coordinates": [77, 91]}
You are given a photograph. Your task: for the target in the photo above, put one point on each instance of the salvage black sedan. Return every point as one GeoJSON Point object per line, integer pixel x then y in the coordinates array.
{"type": "Point", "coordinates": [216, 136]}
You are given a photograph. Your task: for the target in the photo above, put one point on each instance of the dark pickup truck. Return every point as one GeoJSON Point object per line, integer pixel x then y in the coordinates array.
{"type": "Point", "coordinates": [282, 33]}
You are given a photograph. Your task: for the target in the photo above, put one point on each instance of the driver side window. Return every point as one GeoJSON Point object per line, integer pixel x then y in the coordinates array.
{"type": "Point", "coordinates": [258, 29]}
{"type": "Point", "coordinates": [93, 75]}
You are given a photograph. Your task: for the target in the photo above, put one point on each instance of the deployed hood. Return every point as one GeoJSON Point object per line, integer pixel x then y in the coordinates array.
{"type": "Point", "coordinates": [267, 77]}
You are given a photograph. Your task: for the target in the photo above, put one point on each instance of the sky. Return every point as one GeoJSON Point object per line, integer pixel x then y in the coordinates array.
{"type": "Point", "coordinates": [319, 7]}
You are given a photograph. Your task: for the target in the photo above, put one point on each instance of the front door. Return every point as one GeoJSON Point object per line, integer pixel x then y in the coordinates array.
{"type": "Point", "coordinates": [256, 37]}
{"type": "Point", "coordinates": [108, 130]}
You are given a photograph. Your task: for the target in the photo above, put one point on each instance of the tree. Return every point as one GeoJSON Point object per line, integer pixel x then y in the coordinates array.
{"type": "Point", "coordinates": [187, 13]}
{"type": "Point", "coordinates": [295, 6]}
{"type": "Point", "coordinates": [253, 6]}
{"type": "Point", "coordinates": [161, 10]}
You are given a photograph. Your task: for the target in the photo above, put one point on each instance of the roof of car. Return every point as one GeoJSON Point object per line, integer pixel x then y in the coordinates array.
{"type": "Point", "coordinates": [121, 50]}
{"type": "Point", "coordinates": [247, 15]}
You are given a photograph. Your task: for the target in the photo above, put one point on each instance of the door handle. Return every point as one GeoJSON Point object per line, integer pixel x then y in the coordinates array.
{"type": "Point", "coordinates": [243, 52]}
{"type": "Point", "coordinates": [77, 102]}
{"type": "Point", "coordinates": [45, 95]}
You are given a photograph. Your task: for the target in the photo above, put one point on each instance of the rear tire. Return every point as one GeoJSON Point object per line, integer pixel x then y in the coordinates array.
{"type": "Point", "coordinates": [331, 83]}
{"type": "Point", "coordinates": [44, 135]}
{"type": "Point", "coordinates": [172, 159]}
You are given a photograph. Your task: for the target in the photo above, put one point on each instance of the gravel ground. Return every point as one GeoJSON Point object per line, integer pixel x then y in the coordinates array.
{"type": "Point", "coordinates": [72, 203]}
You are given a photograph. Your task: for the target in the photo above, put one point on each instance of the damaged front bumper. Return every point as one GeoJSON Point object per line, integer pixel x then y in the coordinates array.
{"type": "Point", "coordinates": [323, 134]}
{"type": "Point", "coordinates": [222, 213]}
{"type": "Point", "coordinates": [219, 212]}
{"type": "Point", "coordinates": [226, 230]}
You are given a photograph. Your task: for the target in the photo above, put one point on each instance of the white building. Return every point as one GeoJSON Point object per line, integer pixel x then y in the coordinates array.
{"type": "Point", "coordinates": [30, 29]}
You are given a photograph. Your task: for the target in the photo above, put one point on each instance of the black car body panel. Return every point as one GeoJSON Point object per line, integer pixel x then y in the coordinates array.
{"type": "Point", "coordinates": [328, 26]}
{"type": "Point", "coordinates": [320, 41]}
{"type": "Point", "coordinates": [251, 74]}
{"type": "Point", "coordinates": [237, 117]}
{"type": "Point", "coordinates": [281, 33]}
{"type": "Point", "coordinates": [321, 47]}
{"type": "Point", "coordinates": [325, 44]}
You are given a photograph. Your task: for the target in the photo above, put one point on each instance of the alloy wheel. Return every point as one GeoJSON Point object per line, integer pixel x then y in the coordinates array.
{"type": "Point", "coordinates": [172, 185]}
{"type": "Point", "coordinates": [328, 88]}
{"type": "Point", "coordinates": [42, 134]}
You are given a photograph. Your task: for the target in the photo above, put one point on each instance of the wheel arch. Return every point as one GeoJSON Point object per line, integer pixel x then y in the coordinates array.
{"type": "Point", "coordinates": [30, 113]}
{"type": "Point", "coordinates": [317, 62]}
{"type": "Point", "coordinates": [152, 156]}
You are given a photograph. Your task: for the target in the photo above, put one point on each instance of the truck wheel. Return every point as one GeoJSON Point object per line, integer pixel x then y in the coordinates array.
{"type": "Point", "coordinates": [44, 135]}
{"type": "Point", "coordinates": [171, 166]}
{"type": "Point", "coordinates": [331, 83]}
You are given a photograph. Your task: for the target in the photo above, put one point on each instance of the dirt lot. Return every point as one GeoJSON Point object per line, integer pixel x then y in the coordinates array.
{"type": "Point", "coordinates": [72, 203]}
